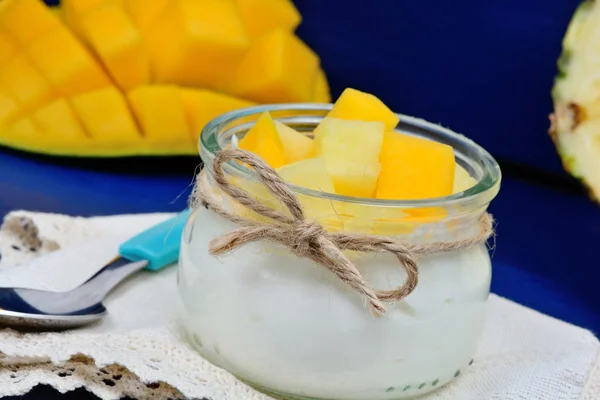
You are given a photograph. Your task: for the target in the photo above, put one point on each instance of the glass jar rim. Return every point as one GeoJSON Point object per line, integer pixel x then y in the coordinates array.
{"type": "Point", "coordinates": [482, 193]}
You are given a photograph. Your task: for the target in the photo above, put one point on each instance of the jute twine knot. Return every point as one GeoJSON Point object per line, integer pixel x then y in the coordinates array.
{"type": "Point", "coordinates": [309, 239]}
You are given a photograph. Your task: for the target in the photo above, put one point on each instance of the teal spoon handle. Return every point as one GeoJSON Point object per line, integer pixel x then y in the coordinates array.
{"type": "Point", "coordinates": [159, 245]}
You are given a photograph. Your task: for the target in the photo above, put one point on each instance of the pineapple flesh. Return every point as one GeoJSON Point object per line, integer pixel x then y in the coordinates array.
{"type": "Point", "coordinates": [575, 123]}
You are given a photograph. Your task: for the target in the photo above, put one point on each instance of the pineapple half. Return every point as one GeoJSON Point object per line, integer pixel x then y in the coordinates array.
{"type": "Point", "coordinates": [575, 124]}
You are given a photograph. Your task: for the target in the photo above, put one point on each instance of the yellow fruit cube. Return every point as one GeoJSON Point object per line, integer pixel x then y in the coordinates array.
{"type": "Point", "coordinates": [73, 10]}
{"type": "Point", "coordinates": [296, 146]}
{"type": "Point", "coordinates": [21, 80]}
{"type": "Point", "coordinates": [201, 106]}
{"type": "Point", "coordinates": [159, 111]}
{"type": "Point", "coordinates": [106, 116]}
{"type": "Point", "coordinates": [57, 11]}
{"type": "Point", "coordinates": [356, 105]}
{"type": "Point", "coordinates": [462, 180]}
{"type": "Point", "coordinates": [118, 43]}
{"type": "Point", "coordinates": [145, 13]}
{"type": "Point", "coordinates": [263, 140]}
{"type": "Point", "coordinates": [8, 48]}
{"type": "Point", "coordinates": [263, 16]}
{"type": "Point", "coordinates": [351, 152]}
{"type": "Point", "coordinates": [9, 110]}
{"type": "Point", "coordinates": [67, 65]}
{"type": "Point", "coordinates": [26, 20]}
{"type": "Point", "coordinates": [21, 131]}
{"type": "Point", "coordinates": [279, 67]}
{"type": "Point", "coordinates": [414, 168]}
{"type": "Point", "coordinates": [197, 43]}
{"type": "Point", "coordinates": [321, 92]}
{"type": "Point", "coordinates": [58, 120]}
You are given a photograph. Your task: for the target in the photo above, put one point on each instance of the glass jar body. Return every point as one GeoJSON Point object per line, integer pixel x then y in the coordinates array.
{"type": "Point", "coordinates": [289, 326]}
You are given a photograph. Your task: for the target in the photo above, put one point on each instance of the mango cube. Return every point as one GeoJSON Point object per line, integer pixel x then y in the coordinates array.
{"type": "Point", "coordinates": [321, 92]}
{"type": "Point", "coordinates": [106, 116]}
{"type": "Point", "coordinates": [22, 130]}
{"type": "Point", "coordinates": [9, 109]}
{"type": "Point", "coordinates": [73, 10]}
{"type": "Point", "coordinates": [197, 43]}
{"type": "Point", "coordinates": [264, 141]}
{"type": "Point", "coordinates": [462, 180]}
{"type": "Point", "coordinates": [159, 111]}
{"type": "Point", "coordinates": [118, 43]}
{"type": "Point", "coordinates": [26, 20]}
{"type": "Point", "coordinates": [8, 47]}
{"type": "Point", "coordinates": [414, 168]}
{"type": "Point", "coordinates": [58, 120]}
{"type": "Point", "coordinates": [66, 64]}
{"type": "Point", "coordinates": [21, 80]}
{"type": "Point", "coordinates": [144, 13]}
{"type": "Point", "coordinates": [263, 16]}
{"type": "Point", "coordinates": [279, 67]}
{"type": "Point", "coordinates": [201, 106]}
{"type": "Point", "coordinates": [296, 146]}
{"type": "Point", "coordinates": [351, 152]}
{"type": "Point", "coordinates": [356, 105]}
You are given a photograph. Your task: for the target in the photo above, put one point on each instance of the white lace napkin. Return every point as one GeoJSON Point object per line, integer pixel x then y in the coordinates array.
{"type": "Point", "coordinates": [137, 350]}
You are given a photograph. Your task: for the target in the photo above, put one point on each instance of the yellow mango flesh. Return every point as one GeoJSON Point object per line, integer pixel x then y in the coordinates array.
{"type": "Point", "coordinates": [264, 141]}
{"type": "Point", "coordinates": [21, 80]}
{"type": "Point", "coordinates": [351, 152]}
{"type": "Point", "coordinates": [20, 130]}
{"type": "Point", "coordinates": [414, 168]}
{"type": "Point", "coordinates": [263, 16]}
{"type": "Point", "coordinates": [58, 120]}
{"type": "Point", "coordinates": [9, 109]}
{"type": "Point", "coordinates": [356, 105]}
{"type": "Point", "coordinates": [57, 11]}
{"type": "Point", "coordinates": [279, 67]}
{"type": "Point", "coordinates": [159, 112]}
{"type": "Point", "coordinates": [27, 20]}
{"type": "Point", "coordinates": [74, 10]}
{"type": "Point", "coordinates": [197, 43]}
{"type": "Point", "coordinates": [201, 106]}
{"type": "Point", "coordinates": [321, 92]}
{"type": "Point", "coordinates": [296, 146]}
{"type": "Point", "coordinates": [462, 180]}
{"type": "Point", "coordinates": [118, 43]}
{"type": "Point", "coordinates": [145, 13]}
{"type": "Point", "coordinates": [106, 116]}
{"type": "Point", "coordinates": [8, 48]}
{"type": "Point", "coordinates": [72, 70]}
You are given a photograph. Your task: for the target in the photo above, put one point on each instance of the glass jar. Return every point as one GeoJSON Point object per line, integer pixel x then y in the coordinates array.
{"type": "Point", "coordinates": [288, 326]}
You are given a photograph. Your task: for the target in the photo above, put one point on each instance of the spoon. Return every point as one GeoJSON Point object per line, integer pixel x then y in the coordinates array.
{"type": "Point", "coordinates": [38, 310]}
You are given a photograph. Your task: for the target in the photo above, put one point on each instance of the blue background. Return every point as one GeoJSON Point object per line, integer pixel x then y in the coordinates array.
{"type": "Point", "coordinates": [484, 68]}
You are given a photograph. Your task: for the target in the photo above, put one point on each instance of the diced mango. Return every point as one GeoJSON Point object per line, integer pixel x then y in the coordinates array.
{"type": "Point", "coordinates": [201, 106]}
{"type": "Point", "coordinates": [8, 47]}
{"type": "Point", "coordinates": [22, 81]}
{"type": "Point", "coordinates": [296, 146]}
{"type": "Point", "coordinates": [279, 67]}
{"type": "Point", "coordinates": [356, 105]}
{"type": "Point", "coordinates": [197, 43]}
{"type": "Point", "coordinates": [66, 64]}
{"type": "Point", "coordinates": [73, 10]}
{"type": "Point", "coordinates": [58, 120]}
{"type": "Point", "coordinates": [145, 13]}
{"type": "Point", "coordinates": [462, 180]}
{"type": "Point", "coordinates": [118, 43]}
{"type": "Point", "coordinates": [263, 16]}
{"type": "Point", "coordinates": [321, 92]}
{"type": "Point", "coordinates": [414, 168]}
{"type": "Point", "coordinates": [21, 130]}
{"type": "Point", "coordinates": [159, 111]}
{"type": "Point", "coordinates": [351, 152]}
{"type": "Point", "coordinates": [106, 116]}
{"type": "Point", "coordinates": [27, 20]}
{"type": "Point", "coordinates": [57, 11]}
{"type": "Point", "coordinates": [263, 140]}
{"type": "Point", "coordinates": [9, 109]}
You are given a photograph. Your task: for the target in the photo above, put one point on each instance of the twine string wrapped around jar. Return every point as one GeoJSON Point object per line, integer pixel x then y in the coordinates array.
{"type": "Point", "coordinates": [309, 239]}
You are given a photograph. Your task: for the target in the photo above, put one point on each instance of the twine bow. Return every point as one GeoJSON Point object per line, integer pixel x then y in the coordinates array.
{"type": "Point", "coordinates": [309, 239]}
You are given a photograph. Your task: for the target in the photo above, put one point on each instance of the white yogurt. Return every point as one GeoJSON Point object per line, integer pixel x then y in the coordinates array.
{"type": "Point", "coordinates": [287, 325]}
